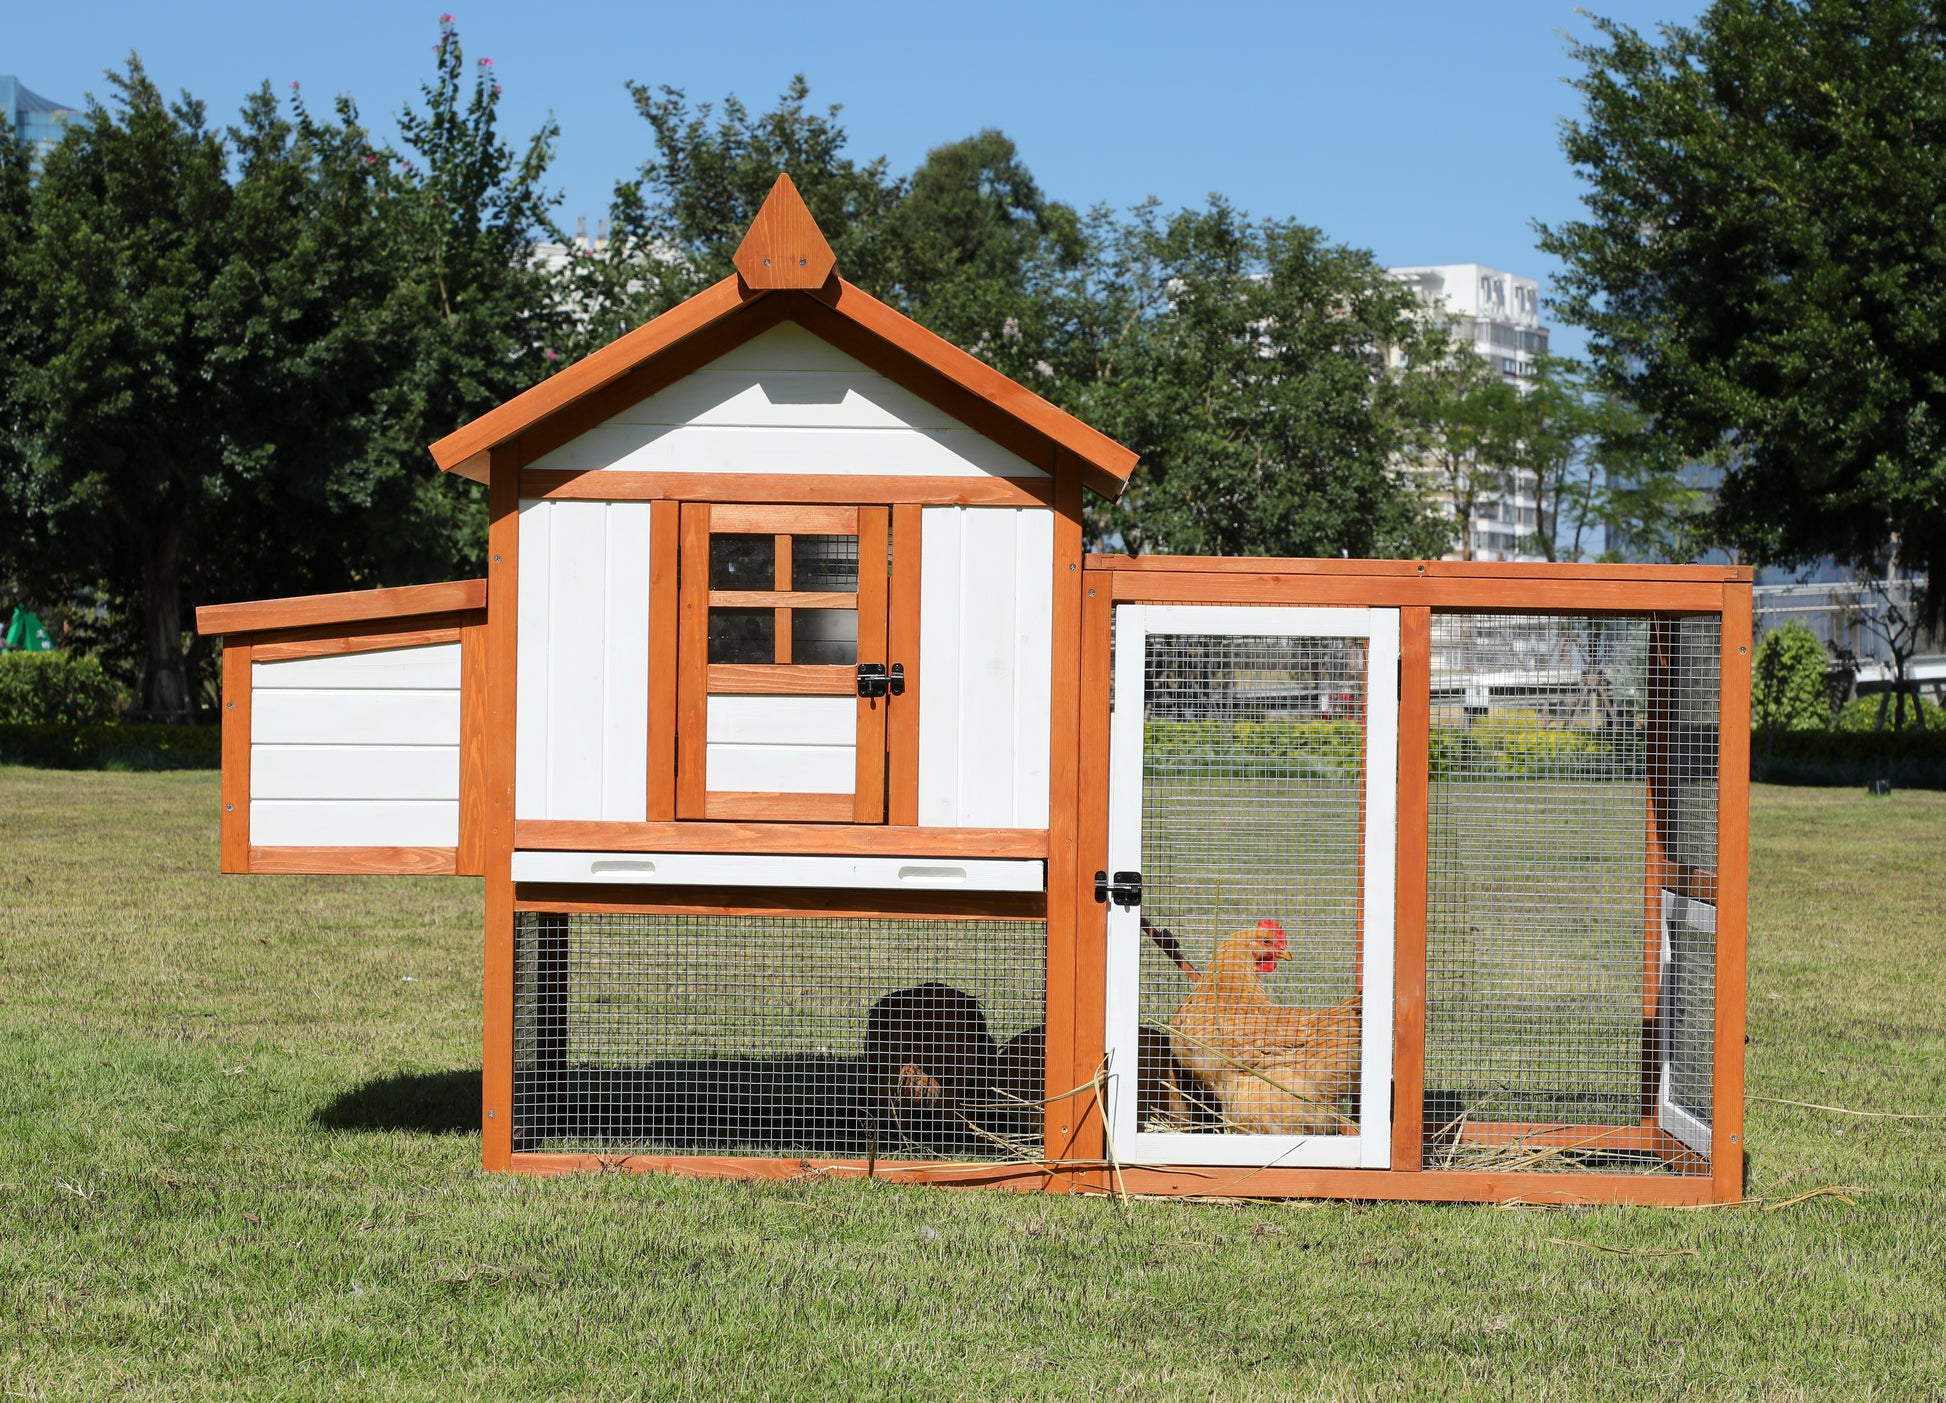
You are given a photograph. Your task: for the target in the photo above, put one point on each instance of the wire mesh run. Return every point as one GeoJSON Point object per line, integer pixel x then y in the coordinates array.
{"type": "Point", "coordinates": [1569, 1004]}
{"type": "Point", "coordinates": [785, 1036]}
{"type": "Point", "coordinates": [1252, 862]}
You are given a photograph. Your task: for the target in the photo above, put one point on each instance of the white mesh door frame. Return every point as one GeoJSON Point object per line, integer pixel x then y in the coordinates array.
{"type": "Point", "coordinates": [1671, 1115]}
{"type": "Point", "coordinates": [1371, 1148]}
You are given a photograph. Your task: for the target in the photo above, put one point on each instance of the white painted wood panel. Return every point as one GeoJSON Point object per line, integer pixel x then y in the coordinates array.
{"type": "Point", "coordinates": [343, 717]}
{"type": "Point", "coordinates": [787, 720]}
{"type": "Point", "coordinates": [765, 870]}
{"type": "Point", "coordinates": [576, 609]}
{"type": "Point", "coordinates": [582, 676]}
{"type": "Point", "coordinates": [986, 630]}
{"type": "Point", "coordinates": [356, 750]}
{"type": "Point", "coordinates": [694, 448]}
{"type": "Point", "coordinates": [788, 402]}
{"type": "Point", "coordinates": [311, 823]}
{"type": "Point", "coordinates": [783, 769]}
{"type": "Point", "coordinates": [426, 667]}
{"type": "Point", "coordinates": [354, 772]}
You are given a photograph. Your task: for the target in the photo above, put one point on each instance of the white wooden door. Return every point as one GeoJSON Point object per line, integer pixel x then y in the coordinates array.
{"type": "Point", "coordinates": [1253, 788]}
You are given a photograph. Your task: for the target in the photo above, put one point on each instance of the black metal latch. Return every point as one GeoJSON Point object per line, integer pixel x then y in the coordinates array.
{"type": "Point", "coordinates": [875, 681]}
{"type": "Point", "coordinates": [1125, 890]}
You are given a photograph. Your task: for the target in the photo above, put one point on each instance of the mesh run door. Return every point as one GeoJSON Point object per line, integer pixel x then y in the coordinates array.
{"type": "Point", "coordinates": [1252, 841]}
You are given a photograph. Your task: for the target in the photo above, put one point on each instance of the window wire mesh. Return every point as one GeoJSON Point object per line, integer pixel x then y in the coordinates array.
{"type": "Point", "coordinates": [1252, 811]}
{"type": "Point", "coordinates": [788, 1036]}
{"type": "Point", "coordinates": [1555, 740]}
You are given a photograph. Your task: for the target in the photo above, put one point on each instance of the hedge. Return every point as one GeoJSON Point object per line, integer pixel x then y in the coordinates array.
{"type": "Point", "coordinates": [1910, 759]}
{"type": "Point", "coordinates": [58, 686]}
{"type": "Point", "coordinates": [62, 745]}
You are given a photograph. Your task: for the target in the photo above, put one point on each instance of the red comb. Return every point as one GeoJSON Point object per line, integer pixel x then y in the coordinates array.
{"type": "Point", "coordinates": [1274, 927]}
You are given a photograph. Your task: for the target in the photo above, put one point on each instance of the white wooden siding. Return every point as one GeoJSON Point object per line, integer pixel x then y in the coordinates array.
{"type": "Point", "coordinates": [986, 648]}
{"type": "Point", "coordinates": [582, 678]}
{"type": "Point", "coordinates": [787, 401]}
{"type": "Point", "coordinates": [356, 750]}
{"type": "Point", "coordinates": [783, 745]}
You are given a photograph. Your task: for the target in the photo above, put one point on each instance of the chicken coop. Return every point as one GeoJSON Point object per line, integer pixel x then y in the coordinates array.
{"type": "Point", "coordinates": [839, 815]}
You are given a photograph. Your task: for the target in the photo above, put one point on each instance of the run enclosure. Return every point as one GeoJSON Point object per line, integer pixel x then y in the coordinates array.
{"type": "Point", "coordinates": [1499, 808]}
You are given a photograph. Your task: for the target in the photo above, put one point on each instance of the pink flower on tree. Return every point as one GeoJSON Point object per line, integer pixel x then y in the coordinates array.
{"type": "Point", "coordinates": [446, 18]}
{"type": "Point", "coordinates": [496, 90]}
{"type": "Point", "coordinates": [486, 63]}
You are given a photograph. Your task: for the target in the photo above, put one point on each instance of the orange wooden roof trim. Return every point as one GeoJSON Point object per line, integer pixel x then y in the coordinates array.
{"type": "Point", "coordinates": [784, 223]}
{"type": "Point", "coordinates": [352, 606]}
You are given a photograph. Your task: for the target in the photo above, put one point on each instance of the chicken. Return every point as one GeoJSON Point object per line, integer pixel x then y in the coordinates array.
{"type": "Point", "coordinates": [928, 1048]}
{"type": "Point", "coordinates": [1275, 1070]}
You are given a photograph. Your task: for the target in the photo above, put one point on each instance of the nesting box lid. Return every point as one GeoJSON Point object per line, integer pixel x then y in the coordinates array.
{"type": "Point", "coordinates": [787, 271]}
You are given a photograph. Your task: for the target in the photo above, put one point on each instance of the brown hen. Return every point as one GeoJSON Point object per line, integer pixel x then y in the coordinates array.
{"type": "Point", "coordinates": [1276, 1070]}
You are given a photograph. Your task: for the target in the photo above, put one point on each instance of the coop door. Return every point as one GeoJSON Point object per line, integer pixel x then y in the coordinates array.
{"type": "Point", "coordinates": [783, 681]}
{"type": "Point", "coordinates": [1686, 998]}
{"type": "Point", "coordinates": [1254, 757]}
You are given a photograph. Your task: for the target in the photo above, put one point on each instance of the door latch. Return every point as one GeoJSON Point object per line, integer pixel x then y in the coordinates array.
{"type": "Point", "coordinates": [875, 681]}
{"type": "Point", "coordinates": [1125, 890]}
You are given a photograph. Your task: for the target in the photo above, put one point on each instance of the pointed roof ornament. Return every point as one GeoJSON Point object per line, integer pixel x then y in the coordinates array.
{"type": "Point", "coordinates": [784, 247]}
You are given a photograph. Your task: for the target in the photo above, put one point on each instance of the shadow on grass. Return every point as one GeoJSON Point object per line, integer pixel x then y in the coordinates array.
{"type": "Point", "coordinates": [432, 1103]}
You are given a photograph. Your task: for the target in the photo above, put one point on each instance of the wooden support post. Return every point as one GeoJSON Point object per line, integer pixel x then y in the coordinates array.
{"type": "Point", "coordinates": [665, 544]}
{"type": "Point", "coordinates": [1732, 893]}
{"type": "Point", "coordinates": [234, 831]}
{"type": "Point", "coordinates": [1064, 1118]}
{"type": "Point", "coordinates": [497, 804]}
{"type": "Point", "coordinates": [474, 730]}
{"type": "Point", "coordinates": [1091, 916]}
{"type": "Point", "coordinates": [1409, 920]}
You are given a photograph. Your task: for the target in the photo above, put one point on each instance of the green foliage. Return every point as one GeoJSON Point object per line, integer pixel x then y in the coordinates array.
{"type": "Point", "coordinates": [1759, 263]}
{"type": "Point", "coordinates": [1521, 744]}
{"type": "Point", "coordinates": [230, 348]}
{"type": "Point", "coordinates": [1459, 417]}
{"type": "Point", "coordinates": [1252, 749]}
{"type": "Point", "coordinates": [1248, 363]}
{"type": "Point", "coordinates": [56, 686]}
{"type": "Point", "coordinates": [1787, 691]}
{"type": "Point", "coordinates": [1864, 714]}
{"type": "Point", "coordinates": [97, 745]}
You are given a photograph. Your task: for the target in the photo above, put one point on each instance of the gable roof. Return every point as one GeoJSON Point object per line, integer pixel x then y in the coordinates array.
{"type": "Point", "coordinates": [779, 258]}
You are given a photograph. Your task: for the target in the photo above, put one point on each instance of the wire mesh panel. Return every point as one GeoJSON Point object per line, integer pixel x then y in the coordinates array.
{"type": "Point", "coordinates": [1567, 753]}
{"type": "Point", "coordinates": [849, 1037]}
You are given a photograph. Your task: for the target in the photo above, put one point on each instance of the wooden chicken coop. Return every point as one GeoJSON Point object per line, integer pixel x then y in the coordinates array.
{"type": "Point", "coordinates": [839, 815]}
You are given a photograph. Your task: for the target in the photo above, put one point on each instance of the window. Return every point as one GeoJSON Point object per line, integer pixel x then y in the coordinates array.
{"type": "Point", "coordinates": [783, 616]}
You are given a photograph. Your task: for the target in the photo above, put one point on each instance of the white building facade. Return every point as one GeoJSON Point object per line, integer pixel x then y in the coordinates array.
{"type": "Point", "coordinates": [1499, 315]}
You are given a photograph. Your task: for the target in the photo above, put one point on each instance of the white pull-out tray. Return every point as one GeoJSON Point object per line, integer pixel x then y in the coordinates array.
{"type": "Point", "coordinates": [767, 870]}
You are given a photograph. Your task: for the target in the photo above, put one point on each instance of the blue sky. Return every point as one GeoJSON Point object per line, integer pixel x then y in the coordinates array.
{"type": "Point", "coordinates": [1423, 131]}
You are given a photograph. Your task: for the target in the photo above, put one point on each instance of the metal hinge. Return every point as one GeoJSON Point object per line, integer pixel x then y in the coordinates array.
{"type": "Point", "coordinates": [1125, 890]}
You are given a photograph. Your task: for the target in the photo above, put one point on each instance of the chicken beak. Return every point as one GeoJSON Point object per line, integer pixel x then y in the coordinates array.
{"type": "Point", "coordinates": [1282, 953]}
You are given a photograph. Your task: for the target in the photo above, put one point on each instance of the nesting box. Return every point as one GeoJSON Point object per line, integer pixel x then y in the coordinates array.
{"type": "Point", "coordinates": [838, 814]}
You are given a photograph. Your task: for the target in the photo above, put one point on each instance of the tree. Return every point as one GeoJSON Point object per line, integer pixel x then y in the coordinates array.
{"type": "Point", "coordinates": [1248, 363]}
{"type": "Point", "coordinates": [1759, 265]}
{"type": "Point", "coordinates": [230, 349]}
{"type": "Point", "coordinates": [1460, 421]}
{"type": "Point", "coordinates": [1557, 430]}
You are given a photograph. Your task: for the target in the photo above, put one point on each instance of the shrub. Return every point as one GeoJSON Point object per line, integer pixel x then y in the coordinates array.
{"type": "Point", "coordinates": [66, 745]}
{"type": "Point", "coordinates": [1910, 759]}
{"type": "Point", "coordinates": [41, 687]}
{"type": "Point", "coordinates": [1787, 690]}
{"type": "Point", "coordinates": [1861, 714]}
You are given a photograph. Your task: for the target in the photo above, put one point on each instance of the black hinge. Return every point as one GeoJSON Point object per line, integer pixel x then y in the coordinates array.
{"type": "Point", "coordinates": [1125, 890]}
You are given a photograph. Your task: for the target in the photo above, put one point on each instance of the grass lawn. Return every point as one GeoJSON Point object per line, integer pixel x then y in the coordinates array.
{"type": "Point", "coordinates": [237, 1157]}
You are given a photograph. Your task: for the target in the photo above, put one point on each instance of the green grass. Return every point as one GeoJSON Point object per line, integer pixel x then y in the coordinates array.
{"type": "Point", "coordinates": [237, 1158]}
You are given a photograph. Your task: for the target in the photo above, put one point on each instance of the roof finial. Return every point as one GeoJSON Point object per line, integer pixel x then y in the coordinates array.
{"type": "Point", "coordinates": [784, 247]}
